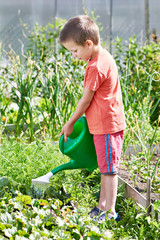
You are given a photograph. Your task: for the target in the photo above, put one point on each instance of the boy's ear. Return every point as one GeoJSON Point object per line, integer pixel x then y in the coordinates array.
{"type": "Point", "coordinates": [89, 42]}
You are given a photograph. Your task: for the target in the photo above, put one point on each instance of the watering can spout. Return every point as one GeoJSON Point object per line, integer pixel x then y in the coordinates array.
{"type": "Point", "coordinates": [65, 166]}
{"type": "Point", "coordinates": [73, 164]}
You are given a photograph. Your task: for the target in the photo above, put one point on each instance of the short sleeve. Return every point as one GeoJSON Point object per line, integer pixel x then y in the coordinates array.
{"type": "Point", "coordinates": [93, 78]}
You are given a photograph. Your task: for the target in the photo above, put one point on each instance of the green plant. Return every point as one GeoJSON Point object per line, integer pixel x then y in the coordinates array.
{"type": "Point", "coordinates": [142, 134]}
{"type": "Point", "coordinates": [45, 87]}
{"type": "Point", "coordinates": [137, 82]}
{"type": "Point", "coordinates": [42, 39]}
{"type": "Point", "coordinates": [23, 82]}
{"type": "Point", "coordinates": [59, 78]}
{"type": "Point", "coordinates": [5, 98]}
{"type": "Point", "coordinates": [136, 63]}
{"type": "Point", "coordinates": [23, 214]}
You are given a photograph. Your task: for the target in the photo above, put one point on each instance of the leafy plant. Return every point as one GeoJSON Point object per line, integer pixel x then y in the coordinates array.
{"type": "Point", "coordinates": [24, 215]}
{"type": "Point", "coordinates": [45, 87]}
{"type": "Point", "coordinates": [59, 92]}
{"type": "Point", "coordinates": [23, 82]}
{"type": "Point", "coordinates": [136, 63]}
{"type": "Point", "coordinates": [42, 40]}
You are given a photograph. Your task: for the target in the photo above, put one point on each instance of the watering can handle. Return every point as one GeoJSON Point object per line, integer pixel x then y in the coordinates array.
{"type": "Point", "coordinates": [61, 143]}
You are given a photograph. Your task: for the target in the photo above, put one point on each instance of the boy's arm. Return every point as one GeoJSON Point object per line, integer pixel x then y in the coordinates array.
{"type": "Point", "coordinates": [81, 108]}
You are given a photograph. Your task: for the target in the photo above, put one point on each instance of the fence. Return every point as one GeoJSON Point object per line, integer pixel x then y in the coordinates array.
{"type": "Point", "coordinates": [119, 18]}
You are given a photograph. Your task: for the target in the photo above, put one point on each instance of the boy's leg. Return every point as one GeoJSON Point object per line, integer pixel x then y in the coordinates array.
{"type": "Point", "coordinates": [108, 193]}
{"type": "Point", "coordinates": [108, 149]}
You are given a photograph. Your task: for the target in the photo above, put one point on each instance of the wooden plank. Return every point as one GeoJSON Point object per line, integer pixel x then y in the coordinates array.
{"type": "Point", "coordinates": [132, 193]}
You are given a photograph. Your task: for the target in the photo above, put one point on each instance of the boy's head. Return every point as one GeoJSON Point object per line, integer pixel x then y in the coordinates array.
{"type": "Point", "coordinates": [79, 29]}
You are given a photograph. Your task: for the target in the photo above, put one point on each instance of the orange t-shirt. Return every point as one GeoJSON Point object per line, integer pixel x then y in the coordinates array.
{"type": "Point", "coordinates": [105, 114]}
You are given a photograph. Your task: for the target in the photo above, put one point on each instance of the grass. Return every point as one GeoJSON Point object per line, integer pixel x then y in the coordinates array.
{"type": "Point", "coordinates": [26, 157]}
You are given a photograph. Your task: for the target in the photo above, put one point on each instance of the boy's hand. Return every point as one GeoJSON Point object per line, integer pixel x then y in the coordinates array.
{"type": "Point", "coordinates": [81, 108]}
{"type": "Point", "coordinates": [67, 130]}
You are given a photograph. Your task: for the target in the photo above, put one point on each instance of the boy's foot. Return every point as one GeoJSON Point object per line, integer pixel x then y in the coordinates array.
{"type": "Point", "coordinates": [103, 217]}
{"type": "Point", "coordinates": [98, 215]}
{"type": "Point", "coordinates": [95, 212]}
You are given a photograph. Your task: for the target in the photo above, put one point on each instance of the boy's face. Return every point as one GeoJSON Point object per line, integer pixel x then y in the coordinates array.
{"type": "Point", "coordinates": [83, 53]}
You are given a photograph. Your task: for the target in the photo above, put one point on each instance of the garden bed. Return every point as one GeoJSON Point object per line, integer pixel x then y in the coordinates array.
{"type": "Point", "coordinates": [138, 181]}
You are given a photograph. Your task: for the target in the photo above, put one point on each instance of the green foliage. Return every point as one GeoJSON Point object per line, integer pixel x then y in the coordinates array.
{"type": "Point", "coordinates": [41, 89]}
{"type": "Point", "coordinates": [23, 214]}
{"type": "Point", "coordinates": [42, 40]}
{"type": "Point", "coordinates": [139, 67]}
{"type": "Point", "coordinates": [45, 86]}
{"type": "Point", "coordinates": [27, 157]}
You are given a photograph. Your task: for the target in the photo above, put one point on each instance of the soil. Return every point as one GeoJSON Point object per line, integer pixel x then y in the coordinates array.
{"type": "Point", "coordinates": [140, 183]}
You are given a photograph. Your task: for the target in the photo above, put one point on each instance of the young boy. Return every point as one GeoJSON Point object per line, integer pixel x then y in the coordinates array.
{"type": "Point", "coordinates": [102, 104]}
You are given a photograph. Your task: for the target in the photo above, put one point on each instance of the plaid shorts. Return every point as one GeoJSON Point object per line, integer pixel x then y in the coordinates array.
{"type": "Point", "coordinates": [108, 149]}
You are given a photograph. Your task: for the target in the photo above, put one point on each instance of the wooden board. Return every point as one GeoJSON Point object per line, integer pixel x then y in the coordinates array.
{"type": "Point", "coordinates": [132, 193]}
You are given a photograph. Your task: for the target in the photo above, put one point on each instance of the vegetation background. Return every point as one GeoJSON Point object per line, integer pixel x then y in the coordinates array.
{"type": "Point", "coordinates": [39, 90]}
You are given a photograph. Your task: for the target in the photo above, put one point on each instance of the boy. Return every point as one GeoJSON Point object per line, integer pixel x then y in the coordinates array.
{"type": "Point", "coordinates": [102, 104]}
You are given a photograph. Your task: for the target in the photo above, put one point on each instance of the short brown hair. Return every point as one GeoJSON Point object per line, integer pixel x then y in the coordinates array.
{"type": "Point", "coordinates": [80, 29]}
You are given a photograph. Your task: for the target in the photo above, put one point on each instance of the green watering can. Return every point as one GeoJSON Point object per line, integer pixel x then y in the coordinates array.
{"type": "Point", "coordinates": [79, 147]}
